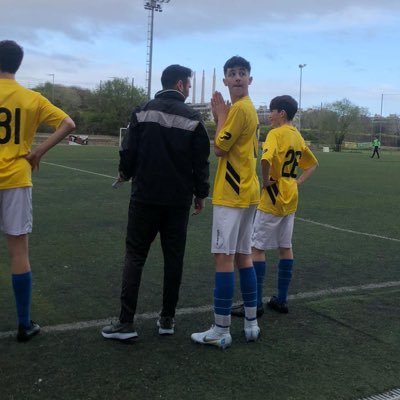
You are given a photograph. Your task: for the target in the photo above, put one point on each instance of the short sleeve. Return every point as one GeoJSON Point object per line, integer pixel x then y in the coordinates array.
{"type": "Point", "coordinates": [232, 129]}
{"type": "Point", "coordinates": [269, 146]}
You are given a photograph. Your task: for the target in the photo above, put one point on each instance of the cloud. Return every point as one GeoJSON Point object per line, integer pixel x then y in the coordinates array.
{"type": "Point", "coordinates": [343, 42]}
{"type": "Point", "coordinates": [82, 20]}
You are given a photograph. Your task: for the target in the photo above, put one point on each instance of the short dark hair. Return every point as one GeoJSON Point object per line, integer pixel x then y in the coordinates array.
{"type": "Point", "coordinates": [237, 61]}
{"type": "Point", "coordinates": [11, 55]}
{"type": "Point", "coordinates": [173, 74]}
{"type": "Point", "coordinates": [285, 103]}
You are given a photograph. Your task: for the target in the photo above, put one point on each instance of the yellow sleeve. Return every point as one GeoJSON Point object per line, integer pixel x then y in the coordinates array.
{"type": "Point", "coordinates": [50, 114]}
{"type": "Point", "coordinates": [269, 146]}
{"type": "Point", "coordinates": [232, 129]}
{"type": "Point", "coordinates": [307, 159]}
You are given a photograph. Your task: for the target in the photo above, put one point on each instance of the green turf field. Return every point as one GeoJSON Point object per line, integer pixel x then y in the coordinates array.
{"type": "Point", "coordinates": [341, 339]}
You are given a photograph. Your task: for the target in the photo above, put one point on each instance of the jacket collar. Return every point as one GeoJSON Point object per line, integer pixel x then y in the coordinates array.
{"type": "Point", "coordinates": [170, 93]}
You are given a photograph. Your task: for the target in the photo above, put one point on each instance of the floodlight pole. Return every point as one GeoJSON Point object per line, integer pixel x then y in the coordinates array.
{"type": "Point", "coordinates": [151, 5]}
{"type": "Point", "coordinates": [301, 66]}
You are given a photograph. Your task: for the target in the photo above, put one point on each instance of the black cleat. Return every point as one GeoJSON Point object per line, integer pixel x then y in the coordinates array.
{"type": "Point", "coordinates": [274, 304]}
{"type": "Point", "coordinates": [24, 334]}
{"type": "Point", "coordinates": [166, 326]}
{"type": "Point", "coordinates": [238, 311]}
{"type": "Point", "coordinates": [123, 331]}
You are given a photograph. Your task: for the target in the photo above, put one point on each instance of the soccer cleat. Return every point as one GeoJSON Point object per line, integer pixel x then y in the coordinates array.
{"type": "Point", "coordinates": [251, 332]}
{"type": "Point", "coordinates": [213, 337]}
{"type": "Point", "coordinates": [238, 311]}
{"type": "Point", "coordinates": [119, 331]}
{"type": "Point", "coordinates": [274, 304]}
{"type": "Point", "coordinates": [24, 334]}
{"type": "Point", "coordinates": [166, 326]}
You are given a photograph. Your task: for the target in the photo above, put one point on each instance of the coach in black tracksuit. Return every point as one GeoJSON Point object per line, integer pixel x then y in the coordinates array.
{"type": "Point", "coordinates": [165, 152]}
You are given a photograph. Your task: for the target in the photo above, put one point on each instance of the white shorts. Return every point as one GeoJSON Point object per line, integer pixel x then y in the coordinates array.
{"type": "Point", "coordinates": [272, 232]}
{"type": "Point", "coordinates": [231, 230]}
{"type": "Point", "coordinates": [16, 211]}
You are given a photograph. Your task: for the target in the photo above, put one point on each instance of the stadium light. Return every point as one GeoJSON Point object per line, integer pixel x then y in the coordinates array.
{"type": "Point", "coordinates": [151, 5]}
{"type": "Point", "coordinates": [380, 124]}
{"type": "Point", "coordinates": [301, 66]}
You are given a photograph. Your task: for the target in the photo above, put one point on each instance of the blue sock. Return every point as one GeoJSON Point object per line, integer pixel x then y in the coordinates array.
{"type": "Point", "coordinates": [22, 285]}
{"type": "Point", "coordinates": [223, 297]}
{"type": "Point", "coordinates": [285, 268]}
{"type": "Point", "coordinates": [248, 286]}
{"type": "Point", "coordinates": [260, 268]}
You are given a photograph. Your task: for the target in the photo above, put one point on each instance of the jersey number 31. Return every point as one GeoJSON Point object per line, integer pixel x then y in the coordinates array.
{"type": "Point", "coordinates": [6, 124]}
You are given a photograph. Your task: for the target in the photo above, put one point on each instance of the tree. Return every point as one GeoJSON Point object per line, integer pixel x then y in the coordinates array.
{"type": "Point", "coordinates": [111, 106]}
{"type": "Point", "coordinates": [72, 100]}
{"type": "Point", "coordinates": [339, 118]}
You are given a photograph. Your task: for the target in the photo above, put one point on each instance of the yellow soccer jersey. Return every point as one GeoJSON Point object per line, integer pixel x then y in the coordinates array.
{"type": "Point", "coordinates": [21, 112]}
{"type": "Point", "coordinates": [285, 150]}
{"type": "Point", "coordinates": [236, 183]}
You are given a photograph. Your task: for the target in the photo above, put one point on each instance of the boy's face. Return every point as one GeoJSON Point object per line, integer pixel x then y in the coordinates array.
{"type": "Point", "coordinates": [277, 118]}
{"type": "Point", "coordinates": [237, 79]}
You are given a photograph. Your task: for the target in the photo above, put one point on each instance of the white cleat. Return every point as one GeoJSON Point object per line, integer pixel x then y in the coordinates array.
{"type": "Point", "coordinates": [252, 333]}
{"type": "Point", "coordinates": [213, 337]}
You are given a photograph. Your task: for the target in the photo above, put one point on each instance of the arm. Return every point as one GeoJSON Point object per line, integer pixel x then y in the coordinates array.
{"type": "Point", "coordinates": [265, 167]}
{"type": "Point", "coordinates": [220, 110]}
{"type": "Point", "coordinates": [306, 174]}
{"type": "Point", "coordinates": [128, 151]}
{"type": "Point", "coordinates": [308, 164]}
{"type": "Point", "coordinates": [198, 205]}
{"type": "Point", "coordinates": [219, 152]}
{"type": "Point", "coordinates": [200, 167]}
{"type": "Point", "coordinates": [34, 157]}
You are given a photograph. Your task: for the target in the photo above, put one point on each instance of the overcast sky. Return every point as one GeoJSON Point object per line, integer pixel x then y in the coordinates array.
{"type": "Point", "coordinates": [351, 47]}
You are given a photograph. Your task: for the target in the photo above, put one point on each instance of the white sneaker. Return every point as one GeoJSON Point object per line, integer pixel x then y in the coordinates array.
{"type": "Point", "coordinates": [252, 332]}
{"type": "Point", "coordinates": [213, 337]}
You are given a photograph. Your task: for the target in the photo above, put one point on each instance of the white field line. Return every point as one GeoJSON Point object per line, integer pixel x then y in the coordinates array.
{"type": "Point", "coordinates": [210, 198]}
{"type": "Point", "coordinates": [196, 310]}
{"type": "Point", "coordinates": [393, 394]}
{"type": "Point", "coordinates": [77, 169]}
{"type": "Point", "coordinates": [348, 230]}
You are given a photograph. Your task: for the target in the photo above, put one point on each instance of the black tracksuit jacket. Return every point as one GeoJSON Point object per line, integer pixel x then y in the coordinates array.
{"type": "Point", "coordinates": [165, 152]}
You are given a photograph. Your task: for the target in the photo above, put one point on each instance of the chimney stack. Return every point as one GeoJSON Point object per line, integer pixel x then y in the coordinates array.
{"type": "Point", "coordinates": [202, 88]}
{"type": "Point", "coordinates": [213, 82]}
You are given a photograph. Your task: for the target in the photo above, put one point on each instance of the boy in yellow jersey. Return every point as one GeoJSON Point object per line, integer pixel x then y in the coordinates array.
{"type": "Point", "coordinates": [21, 112]}
{"type": "Point", "coordinates": [235, 198]}
{"type": "Point", "coordinates": [283, 151]}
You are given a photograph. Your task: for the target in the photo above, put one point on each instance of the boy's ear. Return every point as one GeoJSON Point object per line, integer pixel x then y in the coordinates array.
{"type": "Point", "coordinates": [250, 80]}
{"type": "Point", "coordinates": [224, 80]}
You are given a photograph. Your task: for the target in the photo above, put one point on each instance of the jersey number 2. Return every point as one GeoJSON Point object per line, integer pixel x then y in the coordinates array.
{"type": "Point", "coordinates": [292, 161]}
{"type": "Point", "coordinates": [6, 124]}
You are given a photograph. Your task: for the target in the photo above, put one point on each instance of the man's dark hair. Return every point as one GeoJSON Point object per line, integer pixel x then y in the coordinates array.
{"type": "Point", "coordinates": [237, 61]}
{"type": "Point", "coordinates": [285, 103]}
{"type": "Point", "coordinates": [11, 55]}
{"type": "Point", "coordinates": [173, 74]}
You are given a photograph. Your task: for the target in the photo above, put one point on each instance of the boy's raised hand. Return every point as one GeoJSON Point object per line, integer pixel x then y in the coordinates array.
{"type": "Point", "coordinates": [219, 107]}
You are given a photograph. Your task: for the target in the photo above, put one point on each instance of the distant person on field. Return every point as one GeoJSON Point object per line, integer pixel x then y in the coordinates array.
{"type": "Point", "coordinates": [235, 198]}
{"type": "Point", "coordinates": [165, 153]}
{"type": "Point", "coordinates": [21, 112]}
{"type": "Point", "coordinates": [376, 144]}
{"type": "Point", "coordinates": [284, 150]}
